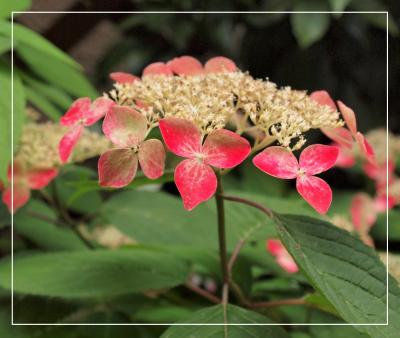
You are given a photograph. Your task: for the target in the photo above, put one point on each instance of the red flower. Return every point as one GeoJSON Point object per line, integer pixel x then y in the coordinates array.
{"type": "Point", "coordinates": [81, 114]}
{"type": "Point", "coordinates": [24, 182]}
{"type": "Point", "coordinates": [127, 129]}
{"type": "Point", "coordinates": [188, 65]}
{"type": "Point", "coordinates": [283, 258]}
{"type": "Point", "coordinates": [343, 136]}
{"type": "Point", "coordinates": [280, 162]}
{"type": "Point", "coordinates": [194, 177]}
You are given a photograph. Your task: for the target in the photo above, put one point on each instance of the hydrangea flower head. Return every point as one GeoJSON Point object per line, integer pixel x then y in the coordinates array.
{"type": "Point", "coordinates": [194, 176]}
{"type": "Point", "coordinates": [82, 113]}
{"type": "Point", "coordinates": [315, 159]}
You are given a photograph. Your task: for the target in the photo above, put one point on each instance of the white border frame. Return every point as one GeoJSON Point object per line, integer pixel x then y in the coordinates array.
{"type": "Point", "coordinates": [197, 324]}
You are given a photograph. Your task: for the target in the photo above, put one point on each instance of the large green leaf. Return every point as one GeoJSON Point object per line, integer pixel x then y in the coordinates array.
{"type": "Point", "coordinates": [235, 315]}
{"type": "Point", "coordinates": [6, 115]}
{"type": "Point", "coordinates": [343, 269]}
{"type": "Point", "coordinates": [160, 219]}
{"type": "Point", "coordinates": [97, 273]}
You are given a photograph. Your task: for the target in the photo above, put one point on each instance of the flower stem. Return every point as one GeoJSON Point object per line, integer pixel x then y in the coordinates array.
{"type": "Point", "coordinates": [221, 230]}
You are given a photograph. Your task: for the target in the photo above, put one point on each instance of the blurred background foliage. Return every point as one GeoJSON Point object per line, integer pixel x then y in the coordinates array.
{"type": "Point", "coordinates": [59, 57]}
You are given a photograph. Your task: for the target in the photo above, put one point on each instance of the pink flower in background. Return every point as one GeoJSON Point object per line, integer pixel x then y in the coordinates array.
{"type": "Point", "coordinates": [315, 159]}
{"type": "Point", "coordinates": [82, 113]}
{"type": "Point", "coordinates": [345, 158]}
{"type": "Point", "coordinates": [343, 136]}
{"type": "Point", "coordinates": [282, 256]}
{"type": "Point", "coordinates": [194, 176]}
{"type": "Point", "coordinates": [127, 129]}
{"type": "Point", "coordinates": [24, 182]}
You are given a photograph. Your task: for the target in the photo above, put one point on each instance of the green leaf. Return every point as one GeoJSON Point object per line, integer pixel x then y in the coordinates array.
{"type": "Point", "coordinates": [318, 301]}
{"type": "Point", "coordinates": [6, 7]}
{"type": "Point", "coordinates": [141, 215]}
{"type": "Point", "coordinates": [332, 331]}
{"type": "Point", "coordinates": [235, 315]}
{"type": "Point", "coordinates": [379, 230]}
{"type": "Point", "coordinates": [345, 271]}
{"type": "Point", "coordinates": [5, 44]}
{"type": "Point", "coordinates": [308, 28]}
{"type": "Point", "coordinates": [43, 104]}
{"type": "Point", "coordinates": [28, 38]}
{"type": "Point", "coordinates": [5, 116]}
{"type": "Point", "coordinates": [379, 20]}
{"type": "Point", "coordinates": [97, 273]}
{"type": "Point", "coordinates": [87, 202]}
{"type": "Point", "coordinates": [338, 5]}
{"type": "Point", "coordinates": [28, 222]}
{"type": "Point", "coordinates": [56, 72]}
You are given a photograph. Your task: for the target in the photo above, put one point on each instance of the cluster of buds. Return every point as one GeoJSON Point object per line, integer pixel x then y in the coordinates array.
{"type": "Point", "coordinates": [37, 160]}
{"type": "Point", "coordinates": [193, 105]}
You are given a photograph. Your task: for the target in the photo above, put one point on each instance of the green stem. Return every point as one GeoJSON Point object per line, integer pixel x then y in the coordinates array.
{"type": "Point", "coordinates": [222, 250]}
{"type": "Point", "coordinates": [221, 230]}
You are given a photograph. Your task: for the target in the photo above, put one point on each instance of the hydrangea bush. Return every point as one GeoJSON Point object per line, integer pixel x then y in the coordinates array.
{"type": "Point", "coordinates": [203, 121]}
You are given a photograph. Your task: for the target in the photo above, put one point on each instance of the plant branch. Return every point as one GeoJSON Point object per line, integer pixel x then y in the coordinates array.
{"type": "Point", "coordinates": [59, 223]}
{"type": "Point", "coordinates": [221, 231]}
{"type": "Point", "coordinates": [235, 255]}
{"type": "Point", "coordinates": [204, 293]}
{"type": "Point", "coordinates": [276, 303]}
{"type": "Point", "coordinates": [253, 204]}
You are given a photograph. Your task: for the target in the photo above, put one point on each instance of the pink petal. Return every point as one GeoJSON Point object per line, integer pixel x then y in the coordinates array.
{"type": "Point", "coordinates": [315, 191]}
{"type": "Point", "coordinates": [76, 112]}
{"type": "Point", "coordinates": [125, 126]}
{"type": "Point", "coordinates": [349, 117]}
{"type": "Point", "coordinates": [283, 258]}
{"type": "Point", "coordinates": [122, 77]}
{"type": "Point", "coordinates": [195, 181]}
{"type": "Point", "coordinates": [225, 149]}
{"type": "Point", "coordinates": [384, 202]}
{"type": "Point", "coordinates": [186, 65]}
{"type": "Point", "coordinates": [340, 135]}
{"type": "Point", "coordinates": [362, 211]}
{"type": "Point", "coordinates": [157, 68]}
{"type": "Point", "coordinates": [99, 108]}
{"type": "Point", "coordinates": [287, 263]}
{"type": "Point", "coordinates": [219, 64]}
{"type": "Point", "coordinates": [68, 142]}
{"type": "Point", "coordinates": [152, 158]}
{"type": "Point", "coordinates": [182, 137]}
{"type": "Point", "coordinates": [318, 158]}
{"type": "Point", "coordinates": [278, 162]}
{"type": "Point", "coordinates": [322, 97]}
{"type": "Point", "coordinates": [117, 168]}
{"type": "Point", "coordinates": [21, 196]}
{"type": "Point", "coordinates": [345, 158]}
{"type": "Point", "coordinates": [365, 148]}
{"type": "Point", "coordinates": [275, 247]}
{"type": "Point", "coordinates": [39, 178]}
{"type": "Point", "coordinates": [378, 171]}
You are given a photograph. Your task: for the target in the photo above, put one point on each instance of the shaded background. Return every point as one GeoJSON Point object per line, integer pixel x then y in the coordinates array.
{"type": "Point", "coordinates": [345, 54]}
